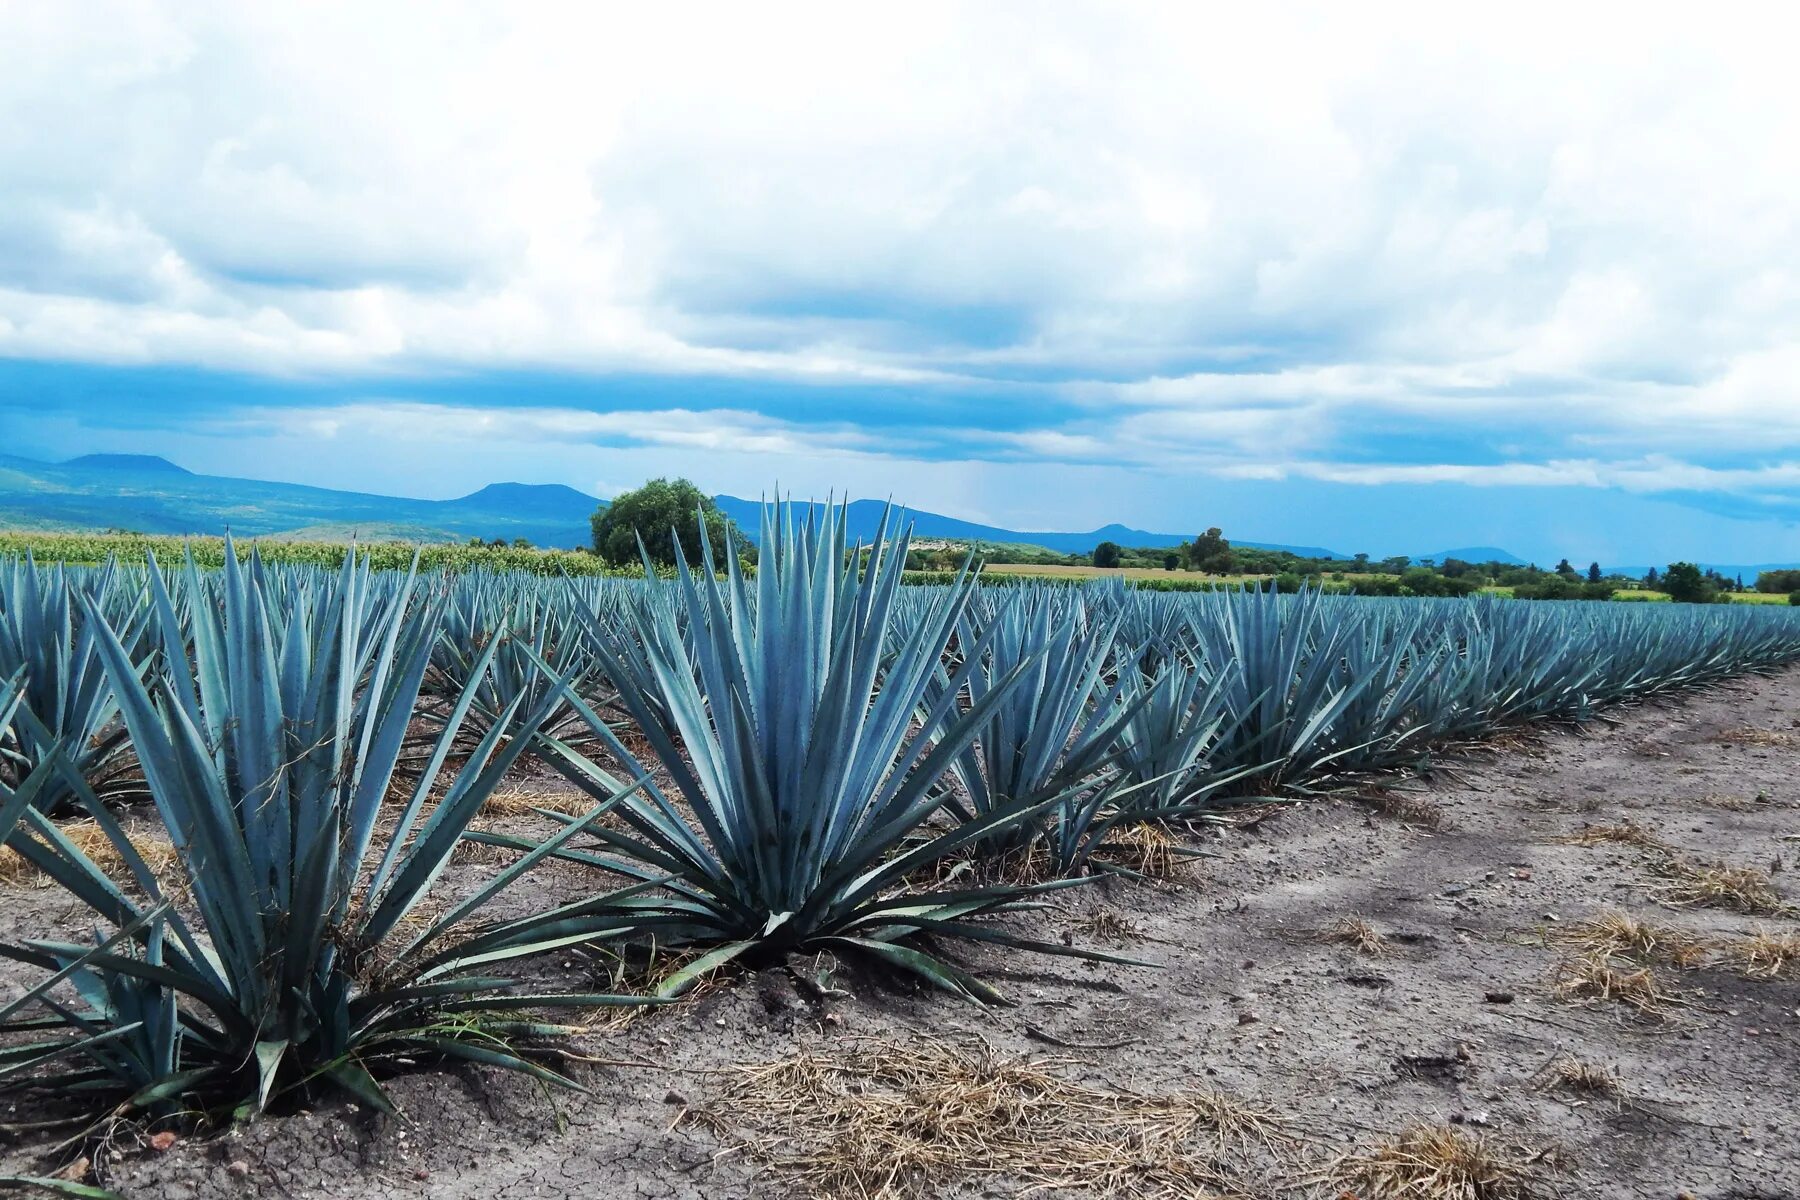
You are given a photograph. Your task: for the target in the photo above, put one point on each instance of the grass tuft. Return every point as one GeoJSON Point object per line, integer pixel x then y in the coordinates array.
{"type": "Point", "coordinates": [1621, 935]}
{"type": "Point", "coordinates": [522, 800]}
{"type": "Point", "coordinates": [1596, 978]}
{"type": "Point", "coordinates": [1407, 809]}
{"type": "Point", "coordinates": [1436, 1162]}
{"type": "Point", "coordinates": [1764, 954]}
{"type": "Point", "coordinates": [1357, 933]}
{"type": "Point", "coordinates": [1715, 885]}
{"type": "Point", "coordinates": [1748, 736]}
{"type": "Point", "coordinates": [1579, 1075]}
{"type": "Point", "coordinates": [1108, 924]}
{"type": "Point", "coordinates": [1625, 833]}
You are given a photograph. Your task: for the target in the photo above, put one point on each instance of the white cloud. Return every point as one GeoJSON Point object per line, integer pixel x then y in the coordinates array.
{"type": "Point", "coordinates": [1582, 244]}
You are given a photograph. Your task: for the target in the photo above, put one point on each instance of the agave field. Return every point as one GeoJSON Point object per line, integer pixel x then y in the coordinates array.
{"type": "Point", "coordinates": [818, 757]}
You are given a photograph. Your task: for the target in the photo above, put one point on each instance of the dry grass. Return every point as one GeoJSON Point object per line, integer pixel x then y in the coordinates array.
{"type": "Point", "coordinates": [1405, 808]}
{"type": "Point", "coordinates": [1596, 978]}
{"type": "Point", "coordinates": [523, 800]}
{"type": "Point", "coordinates": [1107, 924]}
{"type": "Point", "coordinates": [1579, 1075]}
{"type": "Point", "coordinates": [1436, 1162]}
{"type": "Point", "coordinates": [1621, 935]}
{"type": "Point", "coordinates": [1357, 933]}
{"type": "Point", "coordinates": [1625, 833]}
{"type": "Point", "coordinates": [1748, 736]}
{"type": "Point", "coordinates": [1764, 954]}
{"type": "Point", "coordinates": [884, 1120]}
{"type": "Point", "coordinates": [1715, 885]}
{"type": "Point", "coordinates": [1148, 848]}
{"type": "Point", "coordinates": [152, 845]}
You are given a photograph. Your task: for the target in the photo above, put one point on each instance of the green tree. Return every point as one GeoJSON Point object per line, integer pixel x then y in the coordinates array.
{"type": "Point", "coordinates": [1686, 585]}
{"type": "Point", "coordinates": [652, 511]}
{"type": "Point", "coordinates": [1171, 560]}
{"type": "Point", "coordinates": [1106, 554]}
{"type": "Point", "coordinates": [1211, 553]}
{"type": "Point", "coordinates": [1566, 569]}
{"type": "Point", "coordinates": [1594, 575]}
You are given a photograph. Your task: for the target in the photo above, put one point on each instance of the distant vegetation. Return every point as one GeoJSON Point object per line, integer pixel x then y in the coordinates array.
{"type": "Point", "coordinates": [95, 548]}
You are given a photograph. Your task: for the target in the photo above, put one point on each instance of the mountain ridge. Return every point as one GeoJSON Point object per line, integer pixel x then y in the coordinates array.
{"type": "Point", "coordinates": [150, 494]}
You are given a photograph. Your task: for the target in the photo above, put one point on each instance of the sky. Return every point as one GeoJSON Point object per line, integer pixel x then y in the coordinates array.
{"type": "Point", "coordinates": [1381, 278]}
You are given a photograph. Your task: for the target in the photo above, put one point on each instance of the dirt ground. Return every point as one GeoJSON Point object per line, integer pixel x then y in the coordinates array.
{"type": "Point", "coordinates": [1473, 1011]}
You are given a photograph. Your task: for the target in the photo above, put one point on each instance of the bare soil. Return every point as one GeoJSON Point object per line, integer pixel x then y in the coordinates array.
{"type": "Point", "coordinates": [1470, 881]}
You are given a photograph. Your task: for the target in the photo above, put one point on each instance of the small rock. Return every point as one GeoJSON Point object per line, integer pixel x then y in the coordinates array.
{"type": "Point", "coordinates": [1248, 1018]}
{"type": "Point", "coordinates": [237, 1168]}
{"type": "Point", "coordinates": [163, 1142]}
{"type": "Point", "coordinates": [1499, 997]}
{"type": "Point", "coordinates": [674, 1097]}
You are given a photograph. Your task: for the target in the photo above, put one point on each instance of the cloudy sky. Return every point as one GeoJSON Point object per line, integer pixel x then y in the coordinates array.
{"type": "Point", "coordinates": [1390, 280]}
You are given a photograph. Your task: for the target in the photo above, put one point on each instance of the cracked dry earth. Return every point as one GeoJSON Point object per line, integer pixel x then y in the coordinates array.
{"type": "Point", "coordinates": [1472, 879]}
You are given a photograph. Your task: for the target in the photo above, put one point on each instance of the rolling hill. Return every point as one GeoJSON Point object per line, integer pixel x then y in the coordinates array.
{"type": "Point", "coordinates": [146, 494]}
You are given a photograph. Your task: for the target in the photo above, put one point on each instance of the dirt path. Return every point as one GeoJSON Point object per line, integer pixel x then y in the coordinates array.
{"type": "Point", "coordinates": [1469, 880]}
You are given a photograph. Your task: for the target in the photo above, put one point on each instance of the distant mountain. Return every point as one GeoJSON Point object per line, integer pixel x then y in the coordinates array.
{"type": "Point", "coordinates": [865, 515]}
{"type": "Point", "coordinates": [147, 494]}
{"type": "Point", "coordinates": [142, 463]}
{"type": "Point", "coordinates": [153, 495]}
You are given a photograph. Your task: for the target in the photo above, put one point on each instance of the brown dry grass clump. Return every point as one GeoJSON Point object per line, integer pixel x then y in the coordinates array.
{"type": "Point", "coordinates": [1748, 736]}
{"type": "Point", "coordinates": [1764, 954]}
{"type": "Point", "coordinates": [1148, 848]}
{"type": "Point", "coordinates": [1715, 885]}
{"type": "Point", "coordinates": [1107, 924]}
{"type": "Point", "coordinates": [1579, 1075]}
{"type": "Point", "coordinates": [1692, 881]}
{"type": "Point", "coordinates": [1596, 978]}
{"type": "Point", "coordinates": [1357, 933]}
{"type": "Point", "coordinates": [1436, 1162]}
{"type": "Point", "coordinates": [1625, 833]}
{"type": "Point", "coordinates": [522, 800]}
{"type": "Point", "coordinates": [152, 845]}
{"type": "Point", "coordinates": [1405, 808]}
{"type": "Point", "coordinates": [884, 1120]}
{"type": "Point", "coordinates": [1618, 934]}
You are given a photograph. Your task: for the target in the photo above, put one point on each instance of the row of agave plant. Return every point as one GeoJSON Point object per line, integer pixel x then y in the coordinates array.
{"type": "Point", "coordinates": [813, 759]}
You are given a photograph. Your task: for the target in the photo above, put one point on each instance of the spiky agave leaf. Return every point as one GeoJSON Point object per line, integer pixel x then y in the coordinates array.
{"type": "Point", "coordinates": [812, 755]}
{"type": "Point", "coordinates": [66, 703]}
{"type": "Point", "coordinates": [1051, 738]}
{"type": "Point", "coordinates": [269, 749]}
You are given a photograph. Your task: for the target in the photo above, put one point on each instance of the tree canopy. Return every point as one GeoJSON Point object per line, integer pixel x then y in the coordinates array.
{"type": "Point", "coordinates": [1686, 585]}
{"type": "Point", "coordinates": [652, 511]}
{"type": "Point", "coordinates": [1211, 553]}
